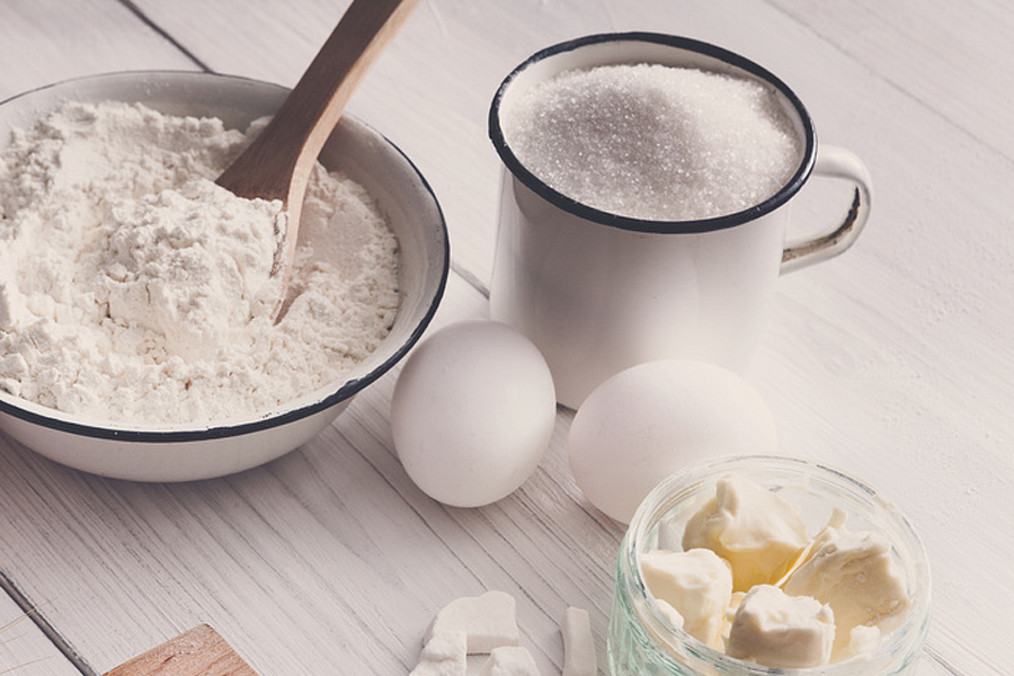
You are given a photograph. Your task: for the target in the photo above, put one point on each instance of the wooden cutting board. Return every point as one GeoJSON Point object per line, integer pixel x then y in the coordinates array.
{"type": "Point", "coordinates": [198, 652]}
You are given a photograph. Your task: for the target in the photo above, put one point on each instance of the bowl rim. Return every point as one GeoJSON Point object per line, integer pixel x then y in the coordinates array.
{"type": "Point", "coordinates": [57, 420]}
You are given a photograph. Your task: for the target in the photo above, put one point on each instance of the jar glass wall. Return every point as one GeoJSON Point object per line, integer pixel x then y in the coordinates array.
{"type": "Point", "coordinates": [641, 642]}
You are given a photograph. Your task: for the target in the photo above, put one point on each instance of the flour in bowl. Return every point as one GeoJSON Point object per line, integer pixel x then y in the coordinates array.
{"type": "Point", "coordinates": [133, 289]}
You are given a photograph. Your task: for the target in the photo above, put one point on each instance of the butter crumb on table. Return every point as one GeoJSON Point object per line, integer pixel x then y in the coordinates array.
{"type": "Point", "coordinates": [579, 657]}
{"type": "Point", "coordinates": [487, 624]}
{"type": "Point", "coordinates": [509, 661]}
{"type": "Point", "coordinates": [444, 654]}
{"type": "Point", "coordinates": [489, 621]}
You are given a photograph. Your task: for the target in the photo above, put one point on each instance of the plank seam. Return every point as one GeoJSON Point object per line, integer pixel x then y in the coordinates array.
{"type": "Point", "coordinates": [37, 618]}
{"type": "Point", "coordinates": [136, 11]}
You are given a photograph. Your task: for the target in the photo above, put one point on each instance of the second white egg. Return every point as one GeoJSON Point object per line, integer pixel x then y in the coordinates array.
{"type": "Point", "coordinates": [648, 421]}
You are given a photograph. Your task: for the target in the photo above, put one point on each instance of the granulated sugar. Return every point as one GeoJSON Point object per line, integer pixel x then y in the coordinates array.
{"type": "Point", "coordinates": [134, 289]}
{"type": "Point", "coordinates": [654, 142]}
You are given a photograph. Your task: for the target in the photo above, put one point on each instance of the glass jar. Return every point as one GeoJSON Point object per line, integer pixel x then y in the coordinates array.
{"type": "Point", "coordinates": [641, 642]}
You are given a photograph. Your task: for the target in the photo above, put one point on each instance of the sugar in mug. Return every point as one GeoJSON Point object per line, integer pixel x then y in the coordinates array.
{"type": "Point", "coordinates": [598, 292]}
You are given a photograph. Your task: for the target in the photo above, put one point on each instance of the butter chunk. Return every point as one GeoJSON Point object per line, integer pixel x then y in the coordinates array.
{"type": "Point", "coordinates": [488, 621]}
{"type": "Point", "coordinates": [579, 657]}
{"type": "Point", "coordinates": [698, 586]}
{"type": "Point", "coordinates": [863, 641]}
{"type": "Point", "coordinates": [443, 654]}
{"type": "Point", "coordinates": [730, 615]}
{"type": "Point", "coordinates": [509, 661]}
{"type": "Point", "coordinates": [671, 615]}
{"type": "Point", "coordinates": [855, 574]}
{"type": "Point", "coordinates": [759, 533]}
{"type": "Point", "coordinates": [778, 630]}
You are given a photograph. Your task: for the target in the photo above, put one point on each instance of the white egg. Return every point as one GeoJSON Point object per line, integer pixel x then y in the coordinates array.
{"type": "Point", "coordinates": [472, 413]}
{"type": "Point", "coordinates": [648, 421]}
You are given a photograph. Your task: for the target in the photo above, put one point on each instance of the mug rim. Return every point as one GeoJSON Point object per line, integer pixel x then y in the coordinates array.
{"type": "Point", "coordinates": [569, 204]}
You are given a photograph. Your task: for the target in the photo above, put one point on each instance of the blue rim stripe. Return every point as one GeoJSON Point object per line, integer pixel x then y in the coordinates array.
{"type": "Point", "coordinates": [643, 225]}
{"type": "Point", "coordinates": [346, 391]}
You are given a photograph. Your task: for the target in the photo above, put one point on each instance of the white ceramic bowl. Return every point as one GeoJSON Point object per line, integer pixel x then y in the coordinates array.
{"type": "Point", "coordinates": [181, 453]}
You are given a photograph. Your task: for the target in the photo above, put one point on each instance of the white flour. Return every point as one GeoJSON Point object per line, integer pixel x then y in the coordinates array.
{"type": "Point", "coordinates": [134, 289]}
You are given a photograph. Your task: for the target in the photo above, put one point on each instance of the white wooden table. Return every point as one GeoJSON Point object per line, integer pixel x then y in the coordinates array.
{"type": "Point", "coordinates": [893, 362]}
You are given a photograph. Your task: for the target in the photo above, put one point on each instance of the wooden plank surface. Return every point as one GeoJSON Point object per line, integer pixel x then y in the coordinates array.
{"type": "Point", "coordinates": [892, 361]}
{"type": "Point", "coordinates": [201, 651]}
{"type": "Point", "coordinates": [24, 649]}
{"type": "Point", "coordinates": [945, 59]}
{"type": "Point", "coordinates": [41, 42]}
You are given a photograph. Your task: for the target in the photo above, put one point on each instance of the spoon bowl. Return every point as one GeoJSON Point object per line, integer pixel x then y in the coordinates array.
{"type": "Point", "coordinates": [277, 165]}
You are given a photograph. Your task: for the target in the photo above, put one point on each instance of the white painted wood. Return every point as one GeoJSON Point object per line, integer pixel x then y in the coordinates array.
{"type": "Point", "coordinates": [24, 649]}
{"type": "Point", "coordinates": [45, 41]}
{"type": "Point", "coordinates": [892, 362]}
{"type": "Point", "coordinates": [329, 557]}
{"type": "Point", "coordinates": [948, 59]}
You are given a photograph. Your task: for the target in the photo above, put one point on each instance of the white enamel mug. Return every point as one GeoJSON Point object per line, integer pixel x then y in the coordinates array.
{"type": "Point", "coordinates": [598, 293]}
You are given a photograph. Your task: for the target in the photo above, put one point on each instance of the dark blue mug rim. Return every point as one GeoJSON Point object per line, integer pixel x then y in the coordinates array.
{"type": "Point", "coordinates": [539, 187]}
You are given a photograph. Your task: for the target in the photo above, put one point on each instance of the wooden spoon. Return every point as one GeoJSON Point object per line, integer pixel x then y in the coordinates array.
{"type": "Point", "coordinates": [278, 163]}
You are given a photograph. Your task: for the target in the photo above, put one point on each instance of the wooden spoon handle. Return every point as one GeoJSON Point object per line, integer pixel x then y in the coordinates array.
{"type": "Point", "coordinates": [278, 163]}
{"type": "Point", "coordinates": [282, 156]}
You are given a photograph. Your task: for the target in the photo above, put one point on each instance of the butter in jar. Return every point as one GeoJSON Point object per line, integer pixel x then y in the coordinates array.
{"type": "Point", "coordinates": [643, 637]}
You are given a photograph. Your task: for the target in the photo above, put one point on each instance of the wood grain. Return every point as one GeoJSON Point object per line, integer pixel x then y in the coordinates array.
{"type": "Point", "coordinates": [891, 362]}
{"type": "Point", "coordinates": [24, 648]}
{"type": "Point", "coordinates": [42, 43]}
{"type": "Point", "coordinates": [198, 652]}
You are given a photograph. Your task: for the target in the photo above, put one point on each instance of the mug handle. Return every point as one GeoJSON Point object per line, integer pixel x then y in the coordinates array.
{"type": "Point", "coordinates": [833, 162]}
